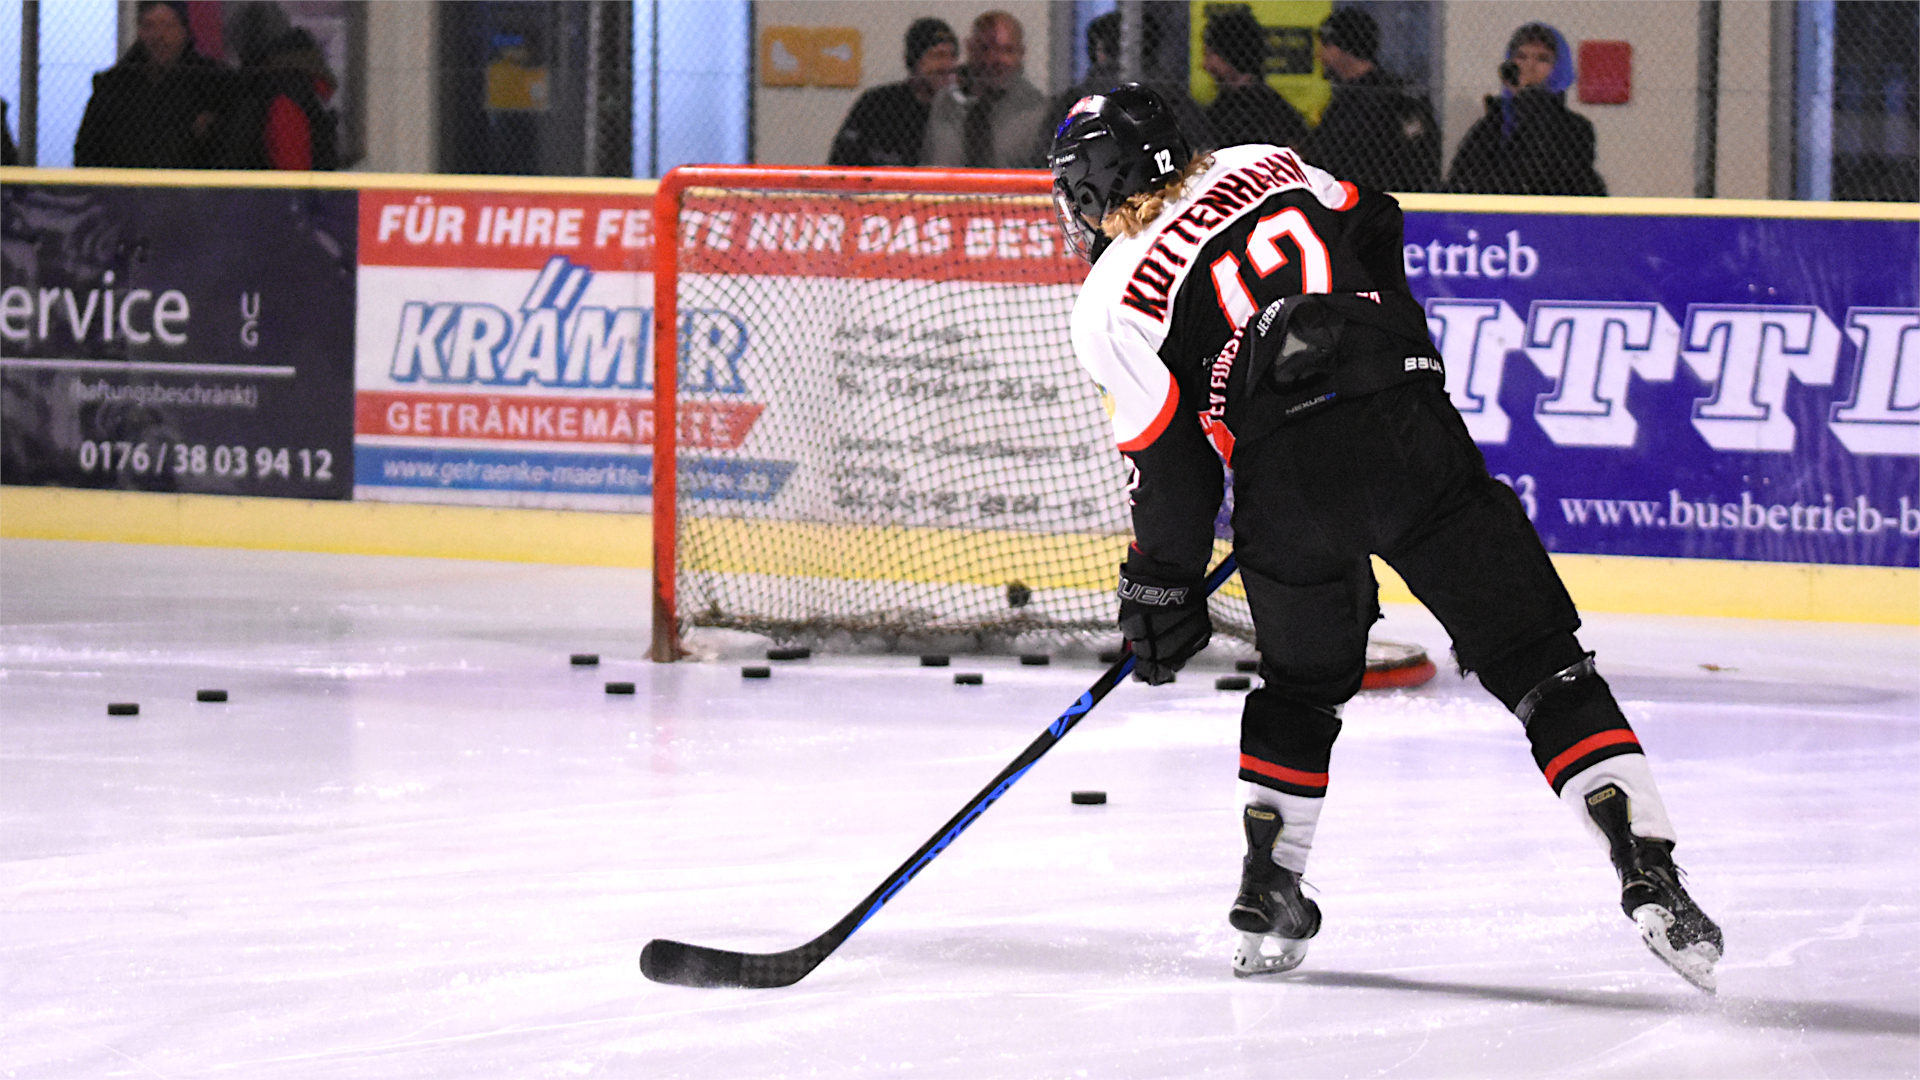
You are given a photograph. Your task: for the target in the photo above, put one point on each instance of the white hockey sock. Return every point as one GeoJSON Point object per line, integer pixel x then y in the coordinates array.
{"type": "Point", "coordinates": [1630, 772]}
{"type": "Point", "coordinates": [1298, 816]}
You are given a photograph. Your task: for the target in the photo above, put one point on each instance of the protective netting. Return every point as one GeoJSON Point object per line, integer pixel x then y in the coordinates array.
{"type": "Point", "coordinates": [885, 440]}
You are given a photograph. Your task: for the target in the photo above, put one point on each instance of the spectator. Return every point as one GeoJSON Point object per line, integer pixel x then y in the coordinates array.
{"type": "Point", "coordinates": [1103, 74]}
{"type": "Point", "coordinates": [1528, 143]}
{"type": "Point", "coordinates": [993, 118]}
{"type": "Point", "coordinates": [158, 107]}
{"type": "Point", "coordinates": [279, 117]}
{"type": "Point", "coordinates": [1247, 109]}
{"type": "Point", "coordinates": [888, 124]}
{"type": "Point", "coordinates": [1374, 132]}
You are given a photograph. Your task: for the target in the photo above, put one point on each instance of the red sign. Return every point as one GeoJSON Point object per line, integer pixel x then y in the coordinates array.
{"type": "Point", "coordinates": [713, 425]}
{"type": "Point", "coordinates": [1606, 72]}
{"type": "Point", "coordinates": [946, 239]}
{"type": "Point", "coordinates": [505, 230]}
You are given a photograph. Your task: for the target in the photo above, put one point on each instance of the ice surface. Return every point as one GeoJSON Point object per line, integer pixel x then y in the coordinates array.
{"type": "Point", "coordinates": [418, 843]}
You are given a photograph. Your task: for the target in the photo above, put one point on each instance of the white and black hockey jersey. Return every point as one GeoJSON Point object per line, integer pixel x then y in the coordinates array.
{"type": "Point", "coordinates": [1257, 226]}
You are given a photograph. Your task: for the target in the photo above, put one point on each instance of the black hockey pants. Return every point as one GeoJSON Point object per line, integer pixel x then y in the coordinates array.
{"type": "Point", "coordinates": [1394, 474]}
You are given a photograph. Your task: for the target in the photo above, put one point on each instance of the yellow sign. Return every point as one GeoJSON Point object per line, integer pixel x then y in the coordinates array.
{"type": "Point", "coordinates": [836, 56]}
{"type": "Point", "coordinates": [809, 56]}
{"type": "Point", "coordinates": [514, 85]}
{"type": "Point", "coordinates": [1293, 67]}
{"type": "Point", "coordinates": [785, 52]}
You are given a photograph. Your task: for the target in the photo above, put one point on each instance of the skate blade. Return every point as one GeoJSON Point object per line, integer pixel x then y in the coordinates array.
{"type": "Point", "coordinates": [1251, 958]}
{"type": "Point", "coordinates": [1694, 963]}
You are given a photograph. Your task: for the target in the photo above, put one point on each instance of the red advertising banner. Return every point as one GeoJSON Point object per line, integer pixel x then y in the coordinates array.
{"type": "Point", "coordinates": [895, 238]}
{"type": "Point", "coordinates": [505, 230]}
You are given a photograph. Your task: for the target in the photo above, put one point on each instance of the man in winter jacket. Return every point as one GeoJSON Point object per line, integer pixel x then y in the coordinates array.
{"type": "Point", "coordinates": [1247, 110]}
{"type": "Point", "coordinates": [888, 123]}
{"type": "Point", "coordinates": [1375, 132]}
{"type": "Point", "coordinates": [159, 107]}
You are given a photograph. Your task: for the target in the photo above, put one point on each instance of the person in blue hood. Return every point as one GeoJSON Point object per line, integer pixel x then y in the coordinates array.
{"type": "Point", "coordinates": [1529, 143]}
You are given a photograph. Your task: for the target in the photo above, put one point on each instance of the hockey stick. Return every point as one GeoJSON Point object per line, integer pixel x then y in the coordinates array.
{"type": "Point", "coordinates": [676, 962]}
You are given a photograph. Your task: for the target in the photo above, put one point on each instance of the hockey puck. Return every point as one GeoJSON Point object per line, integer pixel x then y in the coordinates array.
{"type": "Point", "coordinates": [585, 659]}
{"type": "Point", "coordinates": [968, 678]}
{"type": "Point", "coordinates": [1035, 659]}
{"type": "Point", "coordinates": [1089, 798]}
{"type": "Point", "coordinates": [795, 652]}
{"type": "Point", "coordinates": [619, 688]}
{"type": "Point", "coordinates": [935, 660]}
{"type": "Point", "coordinates": [756, 671]}
{"type": "Point", "coordinates": [1232, 682]}
{"type": "Point", "coordinates": [1248, 666]}
{"type": "Point", "coordinates": [210, 695]}
{"type": "Point", "coordinates": [1112, 656]}
{"type": "Point", "coordinates": [123, 708]}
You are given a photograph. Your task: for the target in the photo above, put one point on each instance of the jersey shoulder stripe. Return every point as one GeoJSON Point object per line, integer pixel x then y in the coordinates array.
{"type": "Point", "coordinates": [1138, 277]}
{"type": "Point", "coordinates": [1125, 309]}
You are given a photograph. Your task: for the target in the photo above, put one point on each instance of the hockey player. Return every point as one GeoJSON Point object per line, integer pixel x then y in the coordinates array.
{"type": "Point", "coordinates": [1248, 310]}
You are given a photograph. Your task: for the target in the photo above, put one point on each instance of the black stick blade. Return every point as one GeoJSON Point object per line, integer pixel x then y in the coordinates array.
{"type": "Point", "coordinates": [689, 965]}
{"type": "Point", "coordinates": [680, 964]}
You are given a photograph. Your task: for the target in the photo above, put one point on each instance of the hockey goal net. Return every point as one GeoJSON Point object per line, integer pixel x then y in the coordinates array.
{"type": "Point", "coordinates": [870, 428]}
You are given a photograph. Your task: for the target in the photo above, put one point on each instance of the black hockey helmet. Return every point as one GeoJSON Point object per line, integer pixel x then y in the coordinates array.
{"type": "Point", "coordinates": [1108, 147]}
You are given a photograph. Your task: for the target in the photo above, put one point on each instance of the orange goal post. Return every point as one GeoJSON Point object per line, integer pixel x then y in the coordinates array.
{"type": "Point", "coordinates": [870, 429]}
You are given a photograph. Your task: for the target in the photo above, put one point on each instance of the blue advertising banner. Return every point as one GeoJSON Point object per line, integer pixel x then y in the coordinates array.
{"type": "Point", "coordinates": [177, 339]}
{"type": "Point", "coordinates": [1699, 387]}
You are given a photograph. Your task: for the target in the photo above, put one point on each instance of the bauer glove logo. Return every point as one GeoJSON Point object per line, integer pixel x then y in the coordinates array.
{"type": "Point", "coordinates": [1152, 595]}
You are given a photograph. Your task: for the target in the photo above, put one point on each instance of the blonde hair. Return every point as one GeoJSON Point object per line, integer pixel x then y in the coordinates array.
{"type": "Point", "coordinates": [1139, 210]}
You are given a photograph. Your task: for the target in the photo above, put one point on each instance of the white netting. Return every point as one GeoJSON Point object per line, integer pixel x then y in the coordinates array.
{"type": "Point", "coordinates": [884, 435]}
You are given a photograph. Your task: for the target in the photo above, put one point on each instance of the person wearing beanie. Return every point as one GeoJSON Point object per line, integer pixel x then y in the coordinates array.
{"type": "Point", "coordinates": [1529, 142]}
{"type": "Point", "coordinates": [1375, 131]}
{"type": "Point", "coordinates": [888, 123]}
{"type": "Point", "coordinates": [1103, 74]}
{"type": "Point", "coordinates": [1246, 110]}
{"type": "Point", "coordinates": [159, 106]}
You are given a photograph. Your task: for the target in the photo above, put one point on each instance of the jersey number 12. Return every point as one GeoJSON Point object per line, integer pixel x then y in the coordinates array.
{"type": "Point", "coordinates": [1263, 251]}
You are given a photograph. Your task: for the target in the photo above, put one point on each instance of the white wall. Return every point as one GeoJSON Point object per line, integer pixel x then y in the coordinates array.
{"type": "Point", "coordinates": [402, 50]}
{"type": "Point", "coordinates": [796, 125]}
{"type": "Point", "coordinates": [1646, 147]}
{"type": "Point", "coordinates": [1746, 40]}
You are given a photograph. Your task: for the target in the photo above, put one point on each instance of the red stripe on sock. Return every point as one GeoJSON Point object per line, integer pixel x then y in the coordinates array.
{"type": "Point", "coordinates": [1584, 747]}
{"type": "Point", "coordinates": [1281, 772]}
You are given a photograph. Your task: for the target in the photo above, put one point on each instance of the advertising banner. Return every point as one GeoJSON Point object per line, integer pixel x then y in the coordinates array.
{"type": "Point", "coordinates": [908, 361]}
{"type": "Point", "coordinates": [177, 339]}
{"type": "Point", "coordinates": [504, 353]}
{"type": "Point", "coordinates": [1700, 387]}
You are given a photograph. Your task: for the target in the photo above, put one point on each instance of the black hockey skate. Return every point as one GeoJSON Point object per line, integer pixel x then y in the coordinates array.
{"type": "Point", "coordinates": [1273, 918]}
{"type": "Point", "coordinates": [1671, 924]}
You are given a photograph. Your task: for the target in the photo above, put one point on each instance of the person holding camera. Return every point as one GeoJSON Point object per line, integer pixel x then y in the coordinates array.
{"type": "Point", "coordinates": [1529, 143]}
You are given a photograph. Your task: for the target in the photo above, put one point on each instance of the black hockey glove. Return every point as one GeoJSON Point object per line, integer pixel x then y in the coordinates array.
{"type": "Point", "coordinates": [1167, 622]}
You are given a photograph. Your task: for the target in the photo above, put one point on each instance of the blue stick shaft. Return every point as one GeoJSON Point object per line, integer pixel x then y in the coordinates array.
{"type": "Point", "coordinates": [695, 965]}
